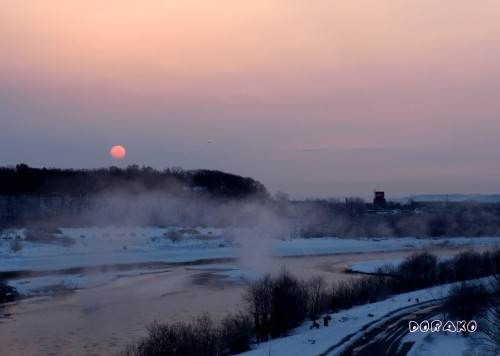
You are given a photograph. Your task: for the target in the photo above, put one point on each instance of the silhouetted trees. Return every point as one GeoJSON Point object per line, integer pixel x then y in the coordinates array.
{"type": "Point", "coordinates": [278, 304]}
{"type": "Point", "coordinates": [420, 270]}
{"type": "Point", "coordinates": [29, 194]}
{"type": "Point", "coordinates": [355, 218]}
{"type": "Point", "coordinates": [75, 197]}
{"type": "Point", "coordinates": [317, 297]}
{"type": "Point", "coordinates": [203, 336]}
{"type": "Point", "coordinates": [488, 341]}
{"type": "Point", "coordinates": [27, 181]}
{"type": "Point", "coordinates": [466, 301]}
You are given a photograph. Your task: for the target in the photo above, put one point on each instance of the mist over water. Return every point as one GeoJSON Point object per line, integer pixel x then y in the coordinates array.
{"type": "Point", "coordinates": [102, 319]}
{"type": "Point", "coordinates": [122, 228]}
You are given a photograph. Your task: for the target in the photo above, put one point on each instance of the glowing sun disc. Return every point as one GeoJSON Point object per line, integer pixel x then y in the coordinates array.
{"type": "Point", "coordinates": [118, 152]}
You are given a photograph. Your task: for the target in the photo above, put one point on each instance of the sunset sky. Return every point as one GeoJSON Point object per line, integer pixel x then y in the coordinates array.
{"type": "Point", "coordinates": [314, 98]}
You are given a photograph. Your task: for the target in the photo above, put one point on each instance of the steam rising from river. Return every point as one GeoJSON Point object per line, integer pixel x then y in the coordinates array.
{"type": "Point", "coordinates": [255, 242]}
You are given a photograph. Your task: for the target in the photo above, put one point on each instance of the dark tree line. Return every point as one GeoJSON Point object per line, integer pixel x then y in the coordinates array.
{"type": "Point", "coordinates": [355, 218]}
{"type": "Point", "coordinates": [201, 337]}
{"type": "Point", "coordinates": [418, 271]}
{"type": "Point", "coordinates": [76, 196]}
{"type": "Point", "coordinates": [23, 180]}
{"type": "Point", "coordinates": [143, 196]}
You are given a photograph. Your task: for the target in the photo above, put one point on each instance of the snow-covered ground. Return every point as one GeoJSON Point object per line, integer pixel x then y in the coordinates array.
{"type": "Point", "coordinates": [345, 327]}
{"type": "Point", "coordinates": [118, 252]}
{"type": "Point", "coordinates": [118, 246]}
{"type": "Point", "coordinates": [127, 277]}
{"type": "Point", "coordinates": [436, 344]}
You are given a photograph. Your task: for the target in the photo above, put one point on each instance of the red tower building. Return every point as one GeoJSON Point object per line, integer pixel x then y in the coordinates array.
{"type": "Point", "coordinates": [379, 199]}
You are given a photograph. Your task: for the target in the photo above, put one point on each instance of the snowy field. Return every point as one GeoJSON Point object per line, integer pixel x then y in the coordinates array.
{"type": "Point", "coordinates": [122, 246]}
{"type": "Point", "coordinates": [121, 279]}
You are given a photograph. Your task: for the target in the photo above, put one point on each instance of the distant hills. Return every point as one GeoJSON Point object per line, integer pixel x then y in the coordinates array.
{"type": "Point", "coordinates": [480, 198]}
{"type": "Point", "coordinates": [23, 180]}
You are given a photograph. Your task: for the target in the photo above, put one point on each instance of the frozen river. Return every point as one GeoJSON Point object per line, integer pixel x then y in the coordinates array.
{"type": "Point", "coordinates": [109, 309]}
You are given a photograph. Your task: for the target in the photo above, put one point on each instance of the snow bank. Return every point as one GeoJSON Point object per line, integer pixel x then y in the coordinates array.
{"type": "Point", "coordinates": [112, 246]}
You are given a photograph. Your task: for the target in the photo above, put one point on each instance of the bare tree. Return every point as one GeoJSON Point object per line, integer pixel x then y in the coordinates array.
{"type": "Point", "coordinates": [488, 338]}
{"type": "Point", "coordinates": [467, 301]}
{"type": "Point", "coordinates": [236, 333]}
{"type": "Point", "coordinates": [259, 298]}
{"type": "Point", "coordinates": [317, 298]}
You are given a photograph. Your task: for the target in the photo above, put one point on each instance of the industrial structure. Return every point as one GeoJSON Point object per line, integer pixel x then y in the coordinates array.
{"type": "Point", "coordinates": [379, 200]}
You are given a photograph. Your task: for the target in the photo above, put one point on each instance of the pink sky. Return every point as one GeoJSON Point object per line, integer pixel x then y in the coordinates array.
{"type": "Point", "coordinates": [319, 98]}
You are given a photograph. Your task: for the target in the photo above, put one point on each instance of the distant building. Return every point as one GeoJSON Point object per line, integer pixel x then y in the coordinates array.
{"type": "Point", "coordinates": [379, 200]}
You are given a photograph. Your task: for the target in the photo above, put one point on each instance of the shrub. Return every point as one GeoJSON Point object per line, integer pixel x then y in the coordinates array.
{"type": "Point", "coordinates": [16, 245]}
{"type": "Point", "coordinates": [38, 235]}
{"type": "Point", "coordinates": [466, 301]}
{"type": "Point", "coordinates": [466, 265]}
{"type": "Point", "coordinates": [189, 231]}
{"type": "Point", "coordinates": [7, 293]}
{"type": "Point", "coordinates": [289, 303]}
{"type": "Point", "coordinates": [47, 237]}
{"type": "Point", "coordinates": [236, 333]}
{"type": "Point", "coordinates": [66, 241]}
{"type": "Point", "coordinates": [418, 271]}
{"type": "Point", "coordinates": [488, 341]}
{"type": "Point", "coordinates": [277, 305]}
{"type": "Point", "coordinates": [317, 297]}
{"type": "Point", "coordinates": [358, 291]}
{"type": "Point", "coordinates": [259, 299]}
{"type": "Point", "coordinates": [173, 235]}
{"type": "Point", "coordinates": [200, 337]}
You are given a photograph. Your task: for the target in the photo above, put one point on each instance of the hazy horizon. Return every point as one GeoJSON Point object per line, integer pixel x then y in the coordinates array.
{"type": "Point", "coordinates": [330, 99]}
